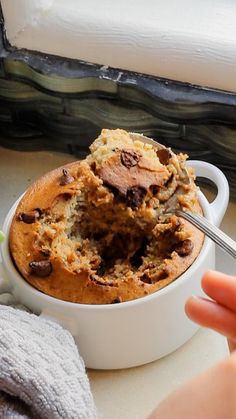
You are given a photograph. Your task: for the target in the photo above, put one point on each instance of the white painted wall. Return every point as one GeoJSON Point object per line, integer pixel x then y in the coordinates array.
{"type": "Point", "coordinates": [187, 40]}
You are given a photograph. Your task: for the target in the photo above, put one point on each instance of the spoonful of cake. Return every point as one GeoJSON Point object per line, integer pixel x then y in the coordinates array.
{"type": "Point", "coordinates": [174, 197]}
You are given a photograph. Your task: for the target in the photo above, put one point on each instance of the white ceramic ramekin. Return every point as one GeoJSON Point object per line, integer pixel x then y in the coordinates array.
{"type": "Point", "coordinates": [135, 332]}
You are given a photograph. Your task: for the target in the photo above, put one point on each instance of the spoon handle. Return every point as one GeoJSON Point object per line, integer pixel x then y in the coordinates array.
{"type": "Point", "coordinates": [220, 238]}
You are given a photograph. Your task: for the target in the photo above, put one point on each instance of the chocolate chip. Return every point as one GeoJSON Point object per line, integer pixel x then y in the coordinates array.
{"type": "Point", "coordinates": [66, 196]}
{"type": "Point", "coordinates": [45, 252]}
{"type": "Point", "coordinates": [117, 300]}
{"type": "Point", "coordinates": [162, 275]}
{"type": "Point", "coordinates": [93, 167]}
{"type": "Point", "coordinates": [66, 178]}
{"type": "Point", "coordinates": [41, 268]}
{"type": "Point", "coordinates": [164, 156]}
{"type": "Point", "coordinates": [154, 278]}
{"type": "Point", "coordinates": [146, 279]}
{"type": "Point", "coordinates": [137, 259]}
{"type": "Point", "coordinates": [29, 217]}
{"type": "Point", "coordinates": [135, 196]}
{"type": "Point", "coordinates": [101, 269]}
{"type": "Point", "coordinates": [184, 248]}
{"type": "Point", "coordinates": [129, 158]}
{"type": "Point", "coordinates": [113, 189]}
{"type": "Point", "coordinates": [154, 189]}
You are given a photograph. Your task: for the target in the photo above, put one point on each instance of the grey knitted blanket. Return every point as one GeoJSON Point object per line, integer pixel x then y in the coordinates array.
{"type": "Point", "coordinates": [41, 372]}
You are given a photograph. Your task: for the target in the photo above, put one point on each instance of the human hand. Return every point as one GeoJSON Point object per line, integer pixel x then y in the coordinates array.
{"type": "Point", "coordinates": [211, 395]}
{"type": "Point", "coordinates": [219, 313]}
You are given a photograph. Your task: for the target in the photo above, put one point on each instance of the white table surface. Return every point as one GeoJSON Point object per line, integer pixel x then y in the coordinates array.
{"type": "Point", "coordinates": [132, 393]}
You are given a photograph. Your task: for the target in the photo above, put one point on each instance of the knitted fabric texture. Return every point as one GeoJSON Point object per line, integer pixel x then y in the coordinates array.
{"type": "Point", "coordinates": [41, 366]}
{"type": "Point", "coordinates": [13, 408]}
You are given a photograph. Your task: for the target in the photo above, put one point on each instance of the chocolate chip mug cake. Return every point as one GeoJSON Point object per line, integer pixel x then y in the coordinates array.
{"type": "Point", "coordinates": [94, 232]}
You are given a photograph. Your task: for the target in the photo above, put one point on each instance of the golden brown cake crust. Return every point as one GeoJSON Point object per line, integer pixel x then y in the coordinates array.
{"type": "Point", "coordinates": [54, 270]}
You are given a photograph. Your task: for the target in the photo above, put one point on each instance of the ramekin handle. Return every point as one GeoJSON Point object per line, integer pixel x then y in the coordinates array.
{"type": "Point", "coordinates": [211, 172]}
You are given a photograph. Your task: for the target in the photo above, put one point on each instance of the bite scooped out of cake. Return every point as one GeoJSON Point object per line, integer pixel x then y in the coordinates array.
{"type": "Point", "coordinates": [92, 232]}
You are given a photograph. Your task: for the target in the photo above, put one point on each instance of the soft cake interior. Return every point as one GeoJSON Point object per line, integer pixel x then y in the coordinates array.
{"type": "Point", "coordinates": [108, 239]}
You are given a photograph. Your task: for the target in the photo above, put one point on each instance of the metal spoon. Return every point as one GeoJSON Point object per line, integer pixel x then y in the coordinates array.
{"type": "Point", "coordinates": [172, 207]}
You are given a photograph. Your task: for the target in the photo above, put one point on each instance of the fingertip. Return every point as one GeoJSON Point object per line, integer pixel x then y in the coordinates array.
{"type": "Point", "coordinates": [208, 275]}
{"type": "Point", "coordinates": [214, 282]}
{"type": "Point", "coordinates": [190, 305]}
{"type": "Point", "coordinates": [210, 280]}
{"type": "Point", "coordinates": [211, 274]}
{"type": "Point", "coordinates": [195, 306]}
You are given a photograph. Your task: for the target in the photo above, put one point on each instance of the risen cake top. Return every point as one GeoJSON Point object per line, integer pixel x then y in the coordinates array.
{"type": "Point", "coordinates": [93, 231]}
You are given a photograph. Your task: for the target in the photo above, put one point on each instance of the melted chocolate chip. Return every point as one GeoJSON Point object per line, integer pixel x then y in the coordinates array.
{"type": "Point", "coordinates": [129, 158]}
{"type": "Point", "coordinates": [117, 300]}
{"type": "Point", "coordinates": [154, 189]}
{"type": "Point", "coordinates": [66, 178]}
{"type": "Point", "coordinates": [162, 275]}
{"type": "Point", "coordinates": [41, 268]}
{"type": "Point", "coordinates": [137, 259]}
{"type": "Point", "coordinates": [101, 269]}
{"type": "Point", "coordinates": [135, 196]}
{"type": "Point", "coordinates": [184, 248]}
{"type": "Point", "coordinates": [29, 217]}
{"type": "Point", "coordinates": [153, 279]}
{"type": "Point", "coordinates": [93, 167]}
{"type": "Point", "coordinates": [146, 279]}
{"type": "Point", "coordinates": [66, 196]}
{"type": "Point", "coordinates": [164, 156]}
